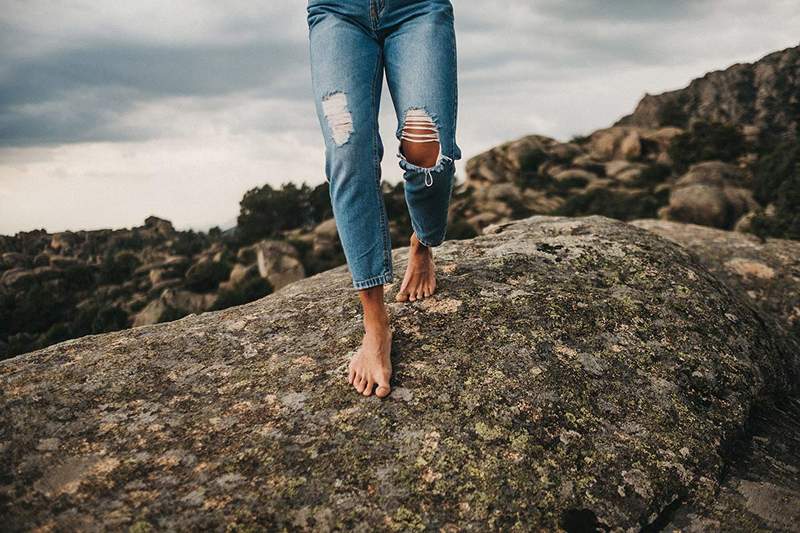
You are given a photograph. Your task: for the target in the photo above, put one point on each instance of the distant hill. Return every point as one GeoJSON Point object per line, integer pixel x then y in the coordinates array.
{"type": "Point", "coordinates": [764, 94]}
{"type": "Point", "coordinates": [722, 152]}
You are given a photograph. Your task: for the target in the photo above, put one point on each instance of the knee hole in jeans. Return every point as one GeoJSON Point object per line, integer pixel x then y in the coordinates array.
{"type": "Point", "coordinates": [419, 138]}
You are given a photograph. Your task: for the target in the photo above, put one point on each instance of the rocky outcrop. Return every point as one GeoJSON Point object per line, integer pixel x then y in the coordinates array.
{"type": "Point", "coordinates": [768, 271]}
{"type": "Point", "coordinates": [105, 280]}
{"type": "Point", "coordinates": [761, 490]}
{"type": "Point", "coordinates": [711, 193]}
{"type": "Point", "coordinates": [637, 168]}
{"type": "Point", "coordinates": [620, 172]}
{"type": "Point", "coordinates": [572, 373]}
{"type": "Point", "coordinates": [764, 94]}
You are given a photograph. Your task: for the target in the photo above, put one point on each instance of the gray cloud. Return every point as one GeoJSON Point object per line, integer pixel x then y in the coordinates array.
{"type": "Point", "coordinates": [75, 95]}
{"type": "Point", "coordinates": [218, 93]}
{"type": "Point", "coordinates": [640, 11]}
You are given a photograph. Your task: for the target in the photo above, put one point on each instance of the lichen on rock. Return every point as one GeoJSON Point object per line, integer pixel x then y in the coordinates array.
{"type": "Point", "coordinates": [567, 372]}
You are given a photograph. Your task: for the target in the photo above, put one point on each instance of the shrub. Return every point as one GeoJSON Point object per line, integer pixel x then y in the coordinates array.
{"type": "Point", "coordinates": [205, 276]}
{"type": "Point", "coordinates": [673, 113]}
{"type": "Point", "coordinates": [189, 243]}
{"type": "Point", "coordinates": [57, 333]}
{"type": "Point", "coordinates": [529, 177]}
{"type": "Point", "coordinates": [653, 175]}
{"type": "Point", "coordinates": [776, 180]}
{"type": "Point", "coordinates": [622, 205]}
{"type": "Point", "coordinates": [251, 290]}
{"type": "Point", "coordinates": [78, 277]}
{"type": "Point", "coordinates": [117, 267]}
{"type": "Point", "coordinates": [704, 142]}
{"type": "Point", "coordinates": [109, 318]}
{"type": "Point", "coordinates": [265, 212]}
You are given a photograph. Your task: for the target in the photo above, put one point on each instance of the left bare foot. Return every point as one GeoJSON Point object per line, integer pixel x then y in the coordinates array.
{"type": "Point", "coordinates": [420, 279]}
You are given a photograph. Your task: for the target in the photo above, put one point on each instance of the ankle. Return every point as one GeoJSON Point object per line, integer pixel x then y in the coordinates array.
{"type": "Point", "coordinates": [418, 247]}
{"type": "Point", "coordinates": [373, 321]}
{"type": "Point", "coordinates": [376, 321]}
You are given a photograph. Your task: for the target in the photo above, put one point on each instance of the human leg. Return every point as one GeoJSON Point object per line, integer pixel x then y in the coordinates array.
{"type": "Point", "coordinates": [420, 57]}
{"type": "Point", "coordinates": [347, 75]}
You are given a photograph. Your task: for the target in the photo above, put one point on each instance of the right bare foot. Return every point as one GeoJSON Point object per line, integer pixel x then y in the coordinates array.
{"type": "Point", "coordinates": [420, 278]}
{"type": "Point", "coordinates": [372, 364]}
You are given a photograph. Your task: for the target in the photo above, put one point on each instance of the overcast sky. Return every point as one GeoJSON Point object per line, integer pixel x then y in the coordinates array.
{"type": "Point", "coordinates": [114, 111]}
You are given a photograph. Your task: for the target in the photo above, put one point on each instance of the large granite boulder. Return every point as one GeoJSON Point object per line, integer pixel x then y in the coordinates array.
{"type": "Point", "coordinates": [761, 489]}
{"type": "Point", "coordinates": [711, 193]}
{"type": "Point", "coordinates": [576, 373]}
{"type": "Point", "coordinates": [768, 270]}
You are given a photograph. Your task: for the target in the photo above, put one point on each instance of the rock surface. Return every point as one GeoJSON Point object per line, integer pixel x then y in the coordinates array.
{"type": "Point", "coordinates": [568, 372]}
{"type": "Point", "coordinates": [761, 490]}
{"type": "Point", "coordinates": [711, 193]}
{"type": "Point", "coordinates": [768, 271]}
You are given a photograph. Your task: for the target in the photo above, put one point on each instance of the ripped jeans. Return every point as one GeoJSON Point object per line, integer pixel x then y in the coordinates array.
{"type": "Point", "coordinates": [351, 43]}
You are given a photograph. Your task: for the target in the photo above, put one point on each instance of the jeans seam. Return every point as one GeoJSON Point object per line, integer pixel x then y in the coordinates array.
{"type": "Point", "coordinates": [376, 163]}
{"type": "Point", "coordinates": [455, 96]}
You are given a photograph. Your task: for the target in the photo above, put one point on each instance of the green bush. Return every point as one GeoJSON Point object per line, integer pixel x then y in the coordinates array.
{"type": "Point", "coordinates": [83, 320]}
{"type": "Point", "coordinates": [529, 177]}
{"type": "Point", "coordinates": [117, 267]}
{"type": "Point", "coordinates": [653, 175]}
{"type": "Point", "coordinates": [673, 113]}
{"type": "Point", "coordinates": [109, 318]}
{"type": "Point", "coordinates": [776, 180]}
{"type": "Point", "coordinates": [207, 275]}
{"type": "Point", "coordinates": [251, 290]}
{"type": "Point", "coordinates": [78, 277]}
{"type": "Point", "coordinates": [265, 212]}
{"type": "Point", "coordinates": [622, 205]}
{"type": "Point", "coordinates": [122, 240]}
{"type": "Point", "coordinates": [705, 142]}
{"type": "Point", "coordinates": [189, 243]}
{"type": "Point", "coordinates": [57, 333]}
{"type": "Point", "coordinates": [21, 343]}
{"type": "Point", "coordinates": [36, 309]}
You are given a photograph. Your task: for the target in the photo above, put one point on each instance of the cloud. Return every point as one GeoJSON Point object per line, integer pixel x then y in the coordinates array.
{"type": "Point", "coordinates": [89, 89]}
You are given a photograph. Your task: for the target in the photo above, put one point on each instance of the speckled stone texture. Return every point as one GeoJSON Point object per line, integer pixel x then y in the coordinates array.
{"type": "Point", "coordinates": [767, 270]}
{"type": "Point", "coordinates": [760, 489]}
{"type": "Point", "coordinates": [570, 373]}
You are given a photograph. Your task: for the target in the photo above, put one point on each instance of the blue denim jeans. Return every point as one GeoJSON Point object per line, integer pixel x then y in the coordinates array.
{"type": "Point", "coordinates": [352, 42]}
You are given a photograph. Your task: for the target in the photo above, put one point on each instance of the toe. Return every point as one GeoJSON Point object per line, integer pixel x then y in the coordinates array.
{"type": "Point", "coordinates": [350, 375]}
{"type": "Point", "coordinates": [368, 388]}
{"type": "Point", "coordinates": [359, 384]}
{"type": "Point", "coordinates": [383, 385]}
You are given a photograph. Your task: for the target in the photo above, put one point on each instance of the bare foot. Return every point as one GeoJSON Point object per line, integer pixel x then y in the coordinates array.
{"type": "Point", "coordinates": [372, 363]}
{"type": "Point", "coordinates": [420, 279]}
